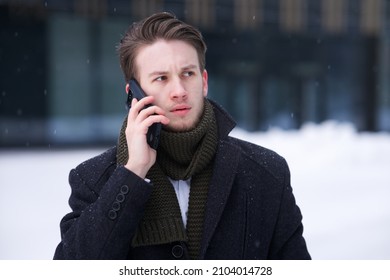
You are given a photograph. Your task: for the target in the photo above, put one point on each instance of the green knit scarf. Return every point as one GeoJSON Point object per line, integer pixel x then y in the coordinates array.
{"type": "Point", "coordinates": [180, 156]}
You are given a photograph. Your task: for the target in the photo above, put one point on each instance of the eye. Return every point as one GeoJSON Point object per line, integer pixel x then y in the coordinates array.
{"type": "Point", "coordinates": [161, 78]}
{"type": "Point", "coordinates": [188, 73]}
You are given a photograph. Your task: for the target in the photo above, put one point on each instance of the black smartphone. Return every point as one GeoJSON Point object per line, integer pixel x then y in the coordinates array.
{"type": "Point", "coordinates": [135, 91]}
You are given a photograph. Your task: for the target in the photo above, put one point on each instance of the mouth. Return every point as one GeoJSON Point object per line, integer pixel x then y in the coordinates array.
{"type": "Point", "coordinates": [180, 110]}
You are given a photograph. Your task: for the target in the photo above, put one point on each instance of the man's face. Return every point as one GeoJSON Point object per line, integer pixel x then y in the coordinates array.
{"type": "Point", "coordinates": [169, 71]}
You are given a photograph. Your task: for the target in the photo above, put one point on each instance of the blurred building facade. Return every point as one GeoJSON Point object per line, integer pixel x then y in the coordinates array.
{"type": "Point", "coordinates": [271, 63]}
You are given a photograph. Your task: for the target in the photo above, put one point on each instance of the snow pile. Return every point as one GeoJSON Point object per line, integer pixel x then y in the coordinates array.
{"type": "Point", "coordinates": [340, 178]}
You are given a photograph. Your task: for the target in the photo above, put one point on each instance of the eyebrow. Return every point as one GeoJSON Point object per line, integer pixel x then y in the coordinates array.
{"type": "Point", "coordinates": [157, 73]}
{"type": "Point", "coordinates": [187, 67]}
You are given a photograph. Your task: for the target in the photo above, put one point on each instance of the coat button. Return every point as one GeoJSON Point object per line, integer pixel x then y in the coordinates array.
{"type": "Point", "coordinates": [120, 197]}
{"type": "Point", "coordinates": [177, 251]}
{"type": "Point", "coordinates": [112, 214]}
{"type": "Point", "coordinates": [116, 206]}
{"type": "Point", "coordinates": [124, 189]}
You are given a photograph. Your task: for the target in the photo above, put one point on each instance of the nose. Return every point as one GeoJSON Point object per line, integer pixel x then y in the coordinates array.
{"type": "Point", "coordinates": [178, 90]}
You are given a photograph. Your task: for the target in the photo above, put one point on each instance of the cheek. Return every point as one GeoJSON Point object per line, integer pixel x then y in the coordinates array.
{"type": "Point", "coordinates": [159, 99]}
{"type": "Point", "coordinates": [152, 91]}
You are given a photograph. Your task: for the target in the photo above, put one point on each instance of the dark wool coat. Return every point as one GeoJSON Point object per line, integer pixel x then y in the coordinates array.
{"type": "Point", "coordinates": [250, 212]}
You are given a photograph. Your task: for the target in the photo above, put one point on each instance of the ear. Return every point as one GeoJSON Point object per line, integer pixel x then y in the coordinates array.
{"type": "Point", "coordinates": [205, 82]}
{"type": "Point", "coordinates": [127, 88]}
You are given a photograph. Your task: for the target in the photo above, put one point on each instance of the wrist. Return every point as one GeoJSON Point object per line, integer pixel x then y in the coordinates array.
{"type": "Point", "coordinates": [137, 170]}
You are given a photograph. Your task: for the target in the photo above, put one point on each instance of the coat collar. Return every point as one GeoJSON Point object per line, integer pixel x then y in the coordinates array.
{"type": "Point", "coordinates": [226, 163]}
{"type": "Point", "coordinates": [224, 121]}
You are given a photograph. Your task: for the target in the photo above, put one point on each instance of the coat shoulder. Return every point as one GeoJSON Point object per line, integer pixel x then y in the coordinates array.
{"type": "Point", "coordinates": [265, 158]}
{"type": "Point", "coordinates": [97, 168]}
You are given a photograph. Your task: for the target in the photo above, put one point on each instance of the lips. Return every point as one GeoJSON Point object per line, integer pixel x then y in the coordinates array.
{"type": "Point", "coordinates": [180, 109]}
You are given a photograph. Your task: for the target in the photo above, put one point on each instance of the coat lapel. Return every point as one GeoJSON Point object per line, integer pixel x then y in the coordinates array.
{"type": "Point", "coordinates": [225, 166]}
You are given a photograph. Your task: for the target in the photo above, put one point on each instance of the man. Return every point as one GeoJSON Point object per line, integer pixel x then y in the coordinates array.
{"type": "Point", "coordinates": [201, 194]}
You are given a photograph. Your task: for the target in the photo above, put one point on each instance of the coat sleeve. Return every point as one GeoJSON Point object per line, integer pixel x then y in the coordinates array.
{"type": "Point", "coordinates": [288, 242]}
{"type": "Point", "coordinates": [102, 224]}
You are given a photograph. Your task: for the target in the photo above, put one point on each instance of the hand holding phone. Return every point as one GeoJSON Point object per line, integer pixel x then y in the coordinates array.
{"type": "Point", "coordinates": [153, 134]}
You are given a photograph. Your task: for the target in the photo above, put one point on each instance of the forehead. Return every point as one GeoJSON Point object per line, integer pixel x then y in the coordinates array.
{"type": "Point", "coordinates": [163, 55]}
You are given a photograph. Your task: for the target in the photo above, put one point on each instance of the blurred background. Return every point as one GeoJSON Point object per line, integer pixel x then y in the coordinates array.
{"type": "Point", "coordinates": [307, 78]}
{"type": "Point", "coordinates": [286, 62]}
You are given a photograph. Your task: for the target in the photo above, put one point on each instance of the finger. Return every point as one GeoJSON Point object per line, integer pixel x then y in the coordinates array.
{"type": "Point", "coordinates": [133, 113]}
{"type": "Point", "coordinates": [147, 100]}
{"type": "Point", "coordinates": [133, 102]}
{"type": "Point", "coordinates": [155, 119]}
{"type": "Point", "coordinates": [152, 110]}
{"type": "Point", "coordinates": [138, 105]}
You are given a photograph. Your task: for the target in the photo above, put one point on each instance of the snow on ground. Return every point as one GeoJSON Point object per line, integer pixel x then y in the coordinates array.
{"type": "Point", "coordinates": [340, 178]}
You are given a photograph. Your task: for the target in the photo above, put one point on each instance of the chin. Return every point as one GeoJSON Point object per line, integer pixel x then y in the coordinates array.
{"type": "Point", "coordinates": [180, 127]}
